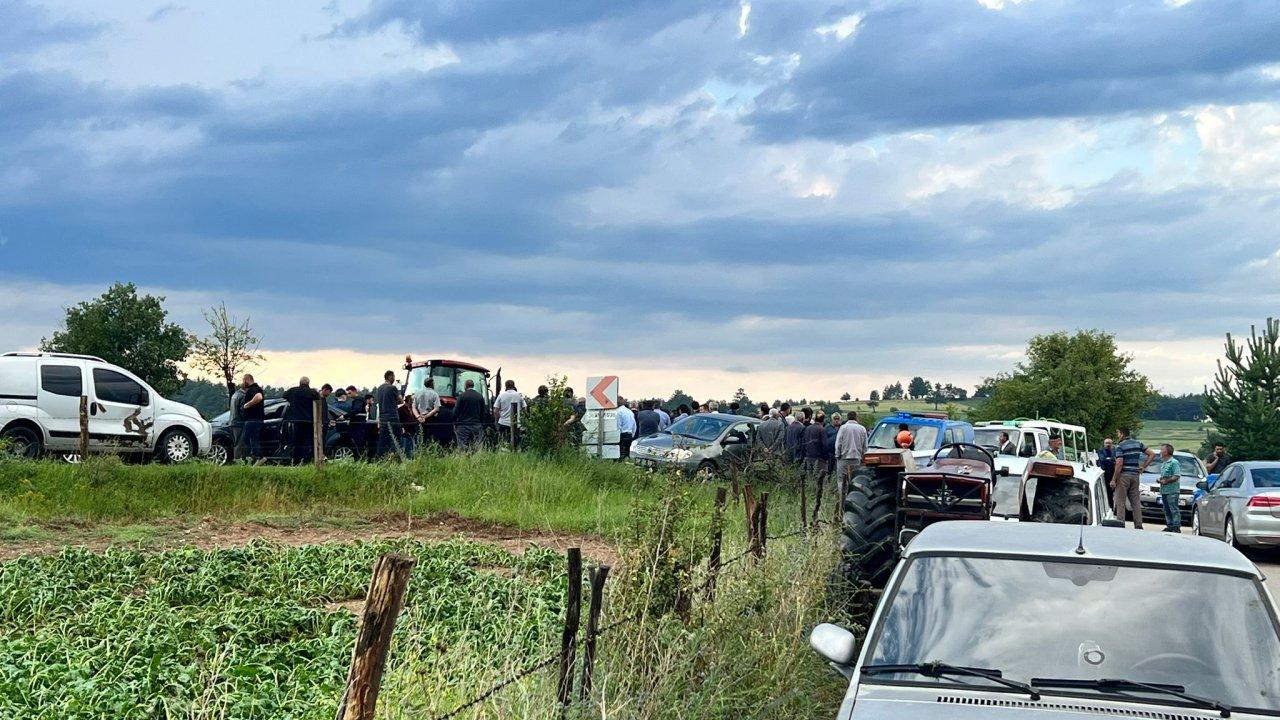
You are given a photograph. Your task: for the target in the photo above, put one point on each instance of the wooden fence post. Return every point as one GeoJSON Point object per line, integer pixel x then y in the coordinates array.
{"type": "Point", "coordinates": [84, 428]}
{"type": "Point", "coordinates": [683, 602]}
{"type": "Point", "coordinates": [749, 504]}
{"type": "Point", "coordinates": [717, 538]}
{"type": "Point", "coordinates": [319, 425]}
{"type": "Point", "coordinates": [373, 640]}
{"type": "Point", "coordinates": [597, 576]}
{"type": "Point", "coordinates": [843, 493]}
{"type": "Point", "coordinates": [572, 618]}
{"type": "Point", "coordinates": [515, 424]}
{"type": "Point", "coordinates": [762, 530]}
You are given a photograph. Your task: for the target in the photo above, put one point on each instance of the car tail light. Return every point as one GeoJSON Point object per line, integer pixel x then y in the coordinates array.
{"type": "Point", "coordinates": [1264, 501]}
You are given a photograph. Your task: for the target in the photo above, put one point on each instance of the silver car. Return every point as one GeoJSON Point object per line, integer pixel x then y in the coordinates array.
{"type": "Point", "coordinates": [1243, 506]}
{"type": "Point", "coordinates": [996, 621]}
{"type": "Point", "coordinates": [708, 442]}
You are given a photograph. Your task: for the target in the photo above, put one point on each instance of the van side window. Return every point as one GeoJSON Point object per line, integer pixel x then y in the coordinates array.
{"type": "Point", "coordinates": [61, 380]}
{"type": "Point", "coordinates": [111, 386]}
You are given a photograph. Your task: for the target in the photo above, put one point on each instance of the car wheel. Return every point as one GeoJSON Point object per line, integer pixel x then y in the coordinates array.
{"type": "Point", "coordinates": [707, 469]}
{"type": "Point", "coordinates": [1195, 521]}
{"type": "Point", "coordinates": [176, 446]}
{"type": "Point", "coordinates": [22, 442]}
{"type": "Point", "coordinates": [1229, 533]}
{"type": "Point", "coordinates": [220, 453]}
{"type": "Point", "coordinates": [867, 540]}
{"type": "Point", "coordinates": [342, 453]}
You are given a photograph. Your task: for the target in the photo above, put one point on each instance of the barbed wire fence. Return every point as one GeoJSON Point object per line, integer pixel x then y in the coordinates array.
{"type": "Point", "coordinates": [577, 646]}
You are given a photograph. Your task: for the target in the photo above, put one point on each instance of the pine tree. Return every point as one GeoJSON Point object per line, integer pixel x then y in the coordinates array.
{"type": "Point", "coordinates": [1245, 399]}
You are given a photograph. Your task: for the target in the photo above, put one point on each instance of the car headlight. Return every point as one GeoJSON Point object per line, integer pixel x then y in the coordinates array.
{"type": "Point", "coordinates": [681, 454]}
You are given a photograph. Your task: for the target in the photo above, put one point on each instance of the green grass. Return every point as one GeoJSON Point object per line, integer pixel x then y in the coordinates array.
{"type": "Point", "coordinates": [570, 494]}
{"type": "Point", "coordinates": [1183, 435]}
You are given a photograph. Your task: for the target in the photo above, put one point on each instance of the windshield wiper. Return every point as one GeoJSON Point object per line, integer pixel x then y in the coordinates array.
{"type": "Point", "coordinates": [1116, 685]}
{"type": "Point", "coordinates": [938, 669]}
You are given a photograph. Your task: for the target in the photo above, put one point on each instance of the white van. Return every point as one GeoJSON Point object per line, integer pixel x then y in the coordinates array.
{"type": "Point", "coordinates": [40, 409]}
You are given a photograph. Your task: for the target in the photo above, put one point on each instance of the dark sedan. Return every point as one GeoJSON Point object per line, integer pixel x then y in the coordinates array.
{"type": "Point", "coordinates": [344, 440]}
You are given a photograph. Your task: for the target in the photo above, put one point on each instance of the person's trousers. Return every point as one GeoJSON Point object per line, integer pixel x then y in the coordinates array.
{"type": "Point", "coordinates": [1128, 488]}
{"type": "Point", "coordinates": [469, 435]}
{"type": "Point", "coordinates": [252, 439]}
{"type": "Point", "coordinates": [815, 467]}
{"type": "Point", "coordinates": [409, 442]}
{"type": "Point", "coordinates": [300, 440]}
{"type": "Point", "coordinates": [504, 435]}
{"type": "Point", "coordinates": [386, 438]}
{"type": "Point", "coordinates": [1172, 513]}
{"type": "Point", "coordinates": [845, 469]}
{"type": "Point", "coordinates": [237, 441]}
{"type": "Point", "coordinates": [624, 445]}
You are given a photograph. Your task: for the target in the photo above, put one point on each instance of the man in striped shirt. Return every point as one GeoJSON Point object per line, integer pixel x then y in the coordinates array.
{"type": "Point", "coordinates": [1132, 458]}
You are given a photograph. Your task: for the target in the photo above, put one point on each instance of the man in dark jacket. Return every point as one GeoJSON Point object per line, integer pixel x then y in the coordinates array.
{"type": "Point", "coordinates": [815, 446]}
{"type": "Point", "coordinates": [469, 416]}
{"type": "Point", "coordinates": [794, 440]}
{"type": "Point", "coordinates": [298, 418]}
{"type": "Point", "coordinates": [647, 420]}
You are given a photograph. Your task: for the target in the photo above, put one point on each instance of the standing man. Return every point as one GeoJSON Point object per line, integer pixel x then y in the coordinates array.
{"type": "Point", "coordinates": [1219, 460]}
{"type": "Point", "coordinates": [409, 425]}
{"type": "Point", "coordinates": [1055, 447]}
{"type": "Point", "coordinates": [253, 417]}
{"type": "Point", "coordinates": [647, 421]}
{"type": "Point", "coordinates": [664, 420]}
{"type": "Point", "coordinates": [793, 442]}
{"type": "Point", "coordinates": [469, 417]}
{"type": "Point", "coordinates": [784, 410]}
{"type": "Point", "coordinates": [626, 429]}
{"type": "Point", "coordinates": [771, 434]}
{"type": "Point", "coordinates": [1007, 447]}
{"type": "Point", "coordinates": [502, 411]}
{"type": "Point", "coordinates": [426, 405]}
{"type": "Point", "coordinates": [851, 445]}
{"type": "Point", "coordinates": [1170, 489]}
{"type": "Point", "coordinates": [237, 424]}
{"type": "Point", "coordinates": [1132, 459]}
{"type": "Point", "coordinates": [299, 416]}
{"type": "Point", "coordinates": [386, 401]}
{"type": "Point", "coordinates": [1107, 461]}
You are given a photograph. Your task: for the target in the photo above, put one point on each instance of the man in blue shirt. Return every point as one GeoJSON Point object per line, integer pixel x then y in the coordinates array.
{"type": "Point", "coordinates": [1132, 459]}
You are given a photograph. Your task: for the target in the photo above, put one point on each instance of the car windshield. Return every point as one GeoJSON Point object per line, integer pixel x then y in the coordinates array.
{"type": "Point", "coordinates": [1188, 467]}
{"type": "Point", "coordinates": [1208, 632]}
{"type": "Point", "coordinates": [989, 437]}
{"type": "Point", "coordinates": [702, 427]}
{"type": "Point", "coordinates": [1266, 477]}
{"type": "Point", "coordinates": [222, 419]}
{"type": "Point", "coordinates": [926, 436]}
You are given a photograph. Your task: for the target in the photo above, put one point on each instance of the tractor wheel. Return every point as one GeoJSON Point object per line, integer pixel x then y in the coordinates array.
{"type": "Point", "coordinates": [867, 541]}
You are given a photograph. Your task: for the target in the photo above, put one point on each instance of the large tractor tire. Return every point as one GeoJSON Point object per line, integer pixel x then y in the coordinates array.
{"type": "Point", "coordinates": [867, 539]}
{"type": "Point", "coordinates": [1066, 504]}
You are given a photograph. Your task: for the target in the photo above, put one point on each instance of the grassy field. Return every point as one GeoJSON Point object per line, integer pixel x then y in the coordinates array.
{"type": "Point", "coordinates": [904, 406]}
{"type": "Point", "coordinates": [1182, 435]}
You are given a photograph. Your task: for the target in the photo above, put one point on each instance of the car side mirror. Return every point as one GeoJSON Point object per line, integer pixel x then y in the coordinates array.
{"type": "Point", "coordinates": [1202, 485]}
{"type": "Point", "coordinates": [733, 440]}
{"type": "Point", "coordinates": [837, 646]}
{"type": "Point", "coordinates": [1113, 523]}
{"type": "Point", "coordinates": [146, 398]}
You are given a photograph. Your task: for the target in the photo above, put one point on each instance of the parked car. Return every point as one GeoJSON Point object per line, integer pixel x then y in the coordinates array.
{"type": "Point", "coordinates": [340, 443]}
{"type": "Point", "coordinates": [40, 410]}
{"type": "Point", "coordinates": [929, 431]}
{"type": "Point", "coordinates": [1013, 620]}
{"type": "Point", "coordinates": [1191, 473]}
{"type": "Point", "coordinates": [1243, 507]}
{"type": "Point", "coordinates": [707, 442]}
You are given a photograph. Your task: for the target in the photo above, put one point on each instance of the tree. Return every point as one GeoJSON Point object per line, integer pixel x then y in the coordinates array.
{"type": "Point", "coordinates": [128, 330]}
{"type": "Point", "coordinates": [874, 396]}
{"type": "Point", "coordinates": [938, 395]}
{"type": "Point", "coordinates": [1082, 379]}
{"type": "Point", "coordinates": [230, 347]}
{"type": "Point", "coordinates": [918, 388]}
{"type": "Point", "coordinates": [893, 392]}
{"type": "Point", "coordinates": [678, 398]}
{"type": "Point", "coordinates": [744, 402]}
{"type": "Point", "coordinates": [845, 397]}
{"type": "Point", "coordinates": [1244, 401]}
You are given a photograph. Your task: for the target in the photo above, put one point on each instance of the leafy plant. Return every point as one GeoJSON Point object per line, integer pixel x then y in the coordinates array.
{"type": "Point", "coordinates": [1244, 401]}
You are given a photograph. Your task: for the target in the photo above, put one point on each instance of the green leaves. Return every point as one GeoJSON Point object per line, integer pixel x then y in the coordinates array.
{"type": "Point", "coordinates": [250, 632]}
{"type": "Point", "coordinates": [1244, 401]}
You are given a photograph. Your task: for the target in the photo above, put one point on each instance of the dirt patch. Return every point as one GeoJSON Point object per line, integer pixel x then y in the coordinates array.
{"type": "Point", "coordinates": [355, 607]}
{"type": "Point", "coordinates": [209, 533]}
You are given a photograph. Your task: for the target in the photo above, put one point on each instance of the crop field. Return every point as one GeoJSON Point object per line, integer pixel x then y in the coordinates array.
{"type": "Point", "coordinates": [257, 631]}
{"type": "Point", "coordinates": [1183, 435]}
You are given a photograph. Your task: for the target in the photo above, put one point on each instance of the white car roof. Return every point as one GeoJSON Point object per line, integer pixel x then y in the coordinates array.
{"type": "Point", "coordinates": [1103, 544]}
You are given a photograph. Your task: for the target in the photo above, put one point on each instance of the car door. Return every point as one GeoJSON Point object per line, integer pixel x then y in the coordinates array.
{"type": "Point", "coordinates": [126, 414]}
{"type": "Point", "coordinates": [1214, 521]}
{"type": "Point", "coordinates": [737, 441]}
{"type": "Point", "coordinates": [273, 428]}
{"type": "Point", "coordinates": [58, 398]}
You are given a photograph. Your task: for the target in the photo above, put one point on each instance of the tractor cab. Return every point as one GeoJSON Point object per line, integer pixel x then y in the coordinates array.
{"type": "Point", "coordinates": [449, 378]}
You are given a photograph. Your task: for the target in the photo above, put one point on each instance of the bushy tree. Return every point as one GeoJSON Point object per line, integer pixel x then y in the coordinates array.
{"type": "Point", "coordinates": [845, 397]}
{"type": "Point", "coordinates": [874, 396]}
{"type": "Point", "coordinates": [128, 330]}
{"type": "Point", "coordinates": [918, 388]}
{"type": "Point", "coordinates": [678, 398]}
{"type": "Point", "coordinates": [893, 392]}
{"type": "Point", "coordinates": [1081, 379]}
{"type": "Point", "coordinates": [1244, 401]}
{"type": "Point", "coordinates": [546, 425]}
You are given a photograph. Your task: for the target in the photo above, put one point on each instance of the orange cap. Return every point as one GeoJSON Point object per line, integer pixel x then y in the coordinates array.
{"type": "Point", "coordinates": [904, 438]}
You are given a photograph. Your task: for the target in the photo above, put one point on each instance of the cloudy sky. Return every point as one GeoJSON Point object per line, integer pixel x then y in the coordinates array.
{"type": "Point", "coordinates": [799, 198]}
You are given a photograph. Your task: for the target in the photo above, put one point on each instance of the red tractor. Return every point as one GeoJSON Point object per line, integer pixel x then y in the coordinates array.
{"type": "Point", "coordinates": [449, 378]}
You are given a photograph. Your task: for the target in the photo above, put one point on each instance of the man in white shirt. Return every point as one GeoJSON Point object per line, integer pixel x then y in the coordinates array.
{"type": "Point", "coordinates": [851, 445]}
{"type": "Point", "coordinates": [626, 429]}
{"type": "Point", "coordinates": [502, 406]}
{"type": "Point", "coordinates": [426, 405]}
